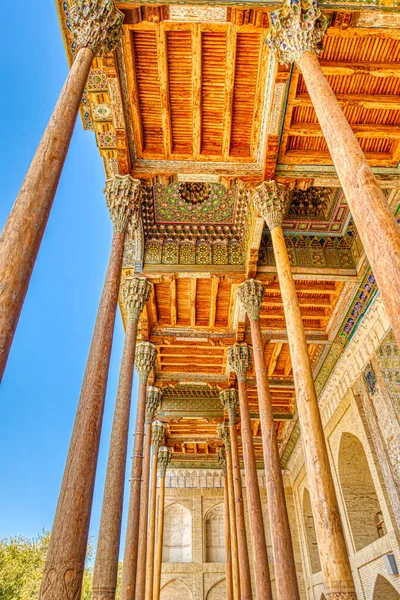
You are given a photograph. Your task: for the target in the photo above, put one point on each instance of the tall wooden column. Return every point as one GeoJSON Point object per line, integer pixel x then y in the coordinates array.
{"type": "Point", "coordinates": [223, 433]}
{"type": "Point", "coordinates": [145, 359]}
{"type": "Point", "coordinates": [228, 549]}
{"type": "Point", "coordinates": [164, 456]}
{"type": "Point", "coordinates": [66, 555]}
{"type": "Point", "coordinates": [135, 292]}
{"type": "Point", "coordinates": [239, 359]}
{"type": "Point", "coordinates": [271, 200]}
{"type": "Point", "coordinates": [153, 399]}
{"type": "Point", "coordinates": [297, 36]}
{"type": "Point", "coordinates": [229, 399]}
{"type": "Point", "coordinates": [158, 434]}
{"type": "Point", "coordinates": [95, 34]}
{"type": "Point", "coordinates": [251, 295]}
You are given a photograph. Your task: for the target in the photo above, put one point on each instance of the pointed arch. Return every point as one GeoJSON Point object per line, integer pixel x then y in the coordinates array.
{"type": "Point", "coordinates": [218, 591]}
{"type": "Point", "coordinates": [384, 590]}
{"type": "Point", "coordinates": [311, 536]}
{"type": "Point", "coordinates": [214, 534]}
{"type": "Point", "coordinates": [359, 493]}
{"type": "Point", "coordinates": [176, 590]}
{"type": "Point", "coordinates": [177, 542]}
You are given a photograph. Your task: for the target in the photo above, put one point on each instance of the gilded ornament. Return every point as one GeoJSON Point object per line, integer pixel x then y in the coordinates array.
{"type": "Point", "coordinates": [153, 401]}
{"type": "Point", "coordinates": [123, 200]}
{"type": "Point", "coordinates": [272, 201]}
{"type": "Point", "coordinates": [297, 28]}
{"type": "Point", "coordinates": [145, 360]}
{"type": "Point", "coordinates": [239, 359]}
{"type": "Point", "coordinates": [135, 293]}
{"type": "Point", "coordinates": [251, 295]}
{"type": "Point", "coordinates": [96, 24]}
{"type": "Point", "coordinates": [164, 457]}
{"type": "Point", "coordinates": [229, 400]}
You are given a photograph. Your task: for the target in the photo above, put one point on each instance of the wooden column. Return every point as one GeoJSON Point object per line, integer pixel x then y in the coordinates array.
{"type": "Point", "coordinates": [164, 456]}
{"type": "Point", "coordinates": [271, 200]}
{"type": "Point", "coordinates": [229, 399]}
{"type": "Point", "coordinates": [134, 292]}
{"type": "Point", "coordinates": [223, 433]}
{"type": "Point", "coordinates": [251, 295]}
{"type": "Point", "coordinates": [153, 399]}
{"type": "Point", "coordinates": [158, 434]}
{"type": "Point", "coordinates": [228, 547]}
{"type": "Point", "coordinates": [239, 358]}
{"type": "Point", "coordinates": [374, 220]}
{"type": "Point", "coordinates": [22, 235]}
{"type": "Point", "coordinates": [145, 360]}
{"type": "Point", "coordinates": [67, 550]}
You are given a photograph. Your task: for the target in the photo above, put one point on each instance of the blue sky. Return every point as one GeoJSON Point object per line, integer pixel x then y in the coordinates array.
{"type": "Point", "coordinates": [42, 382]}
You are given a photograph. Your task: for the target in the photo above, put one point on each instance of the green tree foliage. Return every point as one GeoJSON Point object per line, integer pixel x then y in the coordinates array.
{"type": "Point", "coordinates": [21, 566]}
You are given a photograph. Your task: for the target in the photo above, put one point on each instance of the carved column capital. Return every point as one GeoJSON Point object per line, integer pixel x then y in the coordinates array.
{"type": "Point", "coordinates": [222, 460]}
{"type": "Point", "coordinates": [229, 400]}
{"type": "Point", "coordinates": [135, 292]}
{"type": "Point", "coordinates": [157, 435]}
{"type": "Point", "coordinates": [251, 295]}
{"type": "Point", "coordinates": [223, 434]}
{"type": "Point", "coordinates": [153, 401]}
{"type": "Point", "coordinates": [164, 457]}
{"type": "Point", "coordinates": [145, 360]}
{"type": "Point", "coordinates": [123, 200]}
{"type": "Point", "coordinates": [96, 24]}
{"type": "Point", "coordinates": [239, 359]}
{"type": "Point", "coordinates": [272, 201]}
{"type": "Point", "coordinates": [297, 28]}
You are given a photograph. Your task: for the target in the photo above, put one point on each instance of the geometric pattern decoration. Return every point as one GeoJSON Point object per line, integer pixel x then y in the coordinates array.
{"type": "Point", "coordinates": [216, 207]}
{"type": "Point", "coordinates": [388, 355]}
{"type": "Point", "coordinates": [320, 210]}
{"type": "Point", "coordinates": [311, 251]}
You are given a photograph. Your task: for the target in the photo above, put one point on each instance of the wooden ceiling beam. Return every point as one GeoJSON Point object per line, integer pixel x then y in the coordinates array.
{"type": "Point", "coordinates": [360, 131]}
{"type": "Point", "coordinates": [376, 69]}
{"type": "Point", "coordinates": [173, 302]}
{"type": "Point", "coordinates": [193, 290]}
{"type": "Point", "coordinates": [229, 89]}
{"type": "Point", "coordinates": [134, 92]}
{"type": "Point", "coordinates": [162, 61]}
{"type": "Point", "coordinates": [365, 100]}
{"type": "Point", "coordinates": [274, 358]}
{"type": "Point", "coordinates": [308, 301]}
{"type": "Point", "coordinates": [213, 300]}
{"type": "Point", "coordinates": [196, 79]}
{"type": "Point", "coordinates": [292, 157]}
{"type": "Point", "coordinates": [288, 367]}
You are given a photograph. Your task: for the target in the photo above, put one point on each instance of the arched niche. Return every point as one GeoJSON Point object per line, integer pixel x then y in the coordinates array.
{"type": "Point", "coordinates": [311, 536]}
{"type": "Point", "coordinates": [176, 590]}
{"type": "Point", "coordinates": [218, 591]}
{"type": "Point", "coordinates": [214, 526]}
{"type": "Point", "coordinates": [384, 590]}
{"type": "Point", "coordinates": [359, 493]}
{"type": "Point", "coordinates": [177, 541]}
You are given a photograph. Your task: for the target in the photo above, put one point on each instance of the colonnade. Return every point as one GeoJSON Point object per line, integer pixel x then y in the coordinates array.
{"type": "Point", "coordinates": [296, 35]}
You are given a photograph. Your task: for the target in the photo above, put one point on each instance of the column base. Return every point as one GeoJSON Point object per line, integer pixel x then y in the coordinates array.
{"type": "Point", "coordinates": [103, 594]}
{"type": "Point", "coordinates": [342, 596]}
